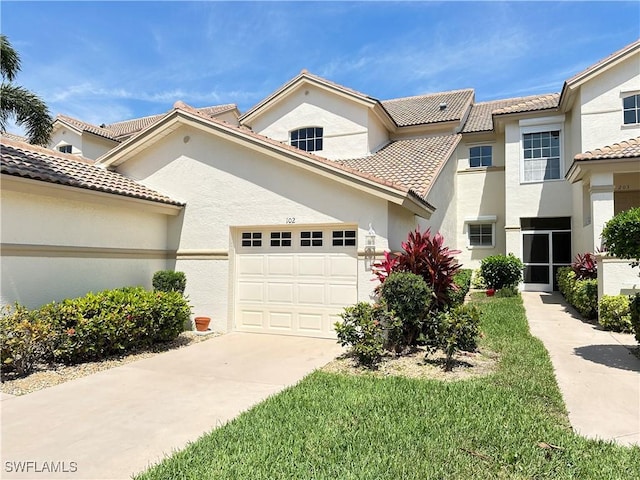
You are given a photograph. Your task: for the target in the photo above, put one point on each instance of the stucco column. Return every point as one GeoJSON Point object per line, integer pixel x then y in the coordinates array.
{"type": "Point", "coordinates": [601, 193]}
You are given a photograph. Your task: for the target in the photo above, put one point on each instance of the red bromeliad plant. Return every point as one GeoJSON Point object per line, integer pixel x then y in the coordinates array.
{"type": "Point", "coordinates": [585, 266]}
{"type": "Point", "coordinates": [427, 256]}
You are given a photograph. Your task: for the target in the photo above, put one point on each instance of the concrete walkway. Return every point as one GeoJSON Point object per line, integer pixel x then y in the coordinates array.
{"type": "Point", "coordinates": [598, 376]}
{"type": "Point", "coordinates": [115, 423]}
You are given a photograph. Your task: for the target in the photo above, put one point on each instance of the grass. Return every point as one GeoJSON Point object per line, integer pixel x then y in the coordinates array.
{"type": "Point", "coordinates": [333, 426]}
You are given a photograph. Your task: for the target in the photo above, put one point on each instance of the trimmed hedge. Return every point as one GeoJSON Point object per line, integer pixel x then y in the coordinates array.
{"type": "Point", "coordinates": [614, 313]}
{"type": "Point", "coordinates": [499, 271]}
{"type": "Point", "coordinates": [581, 294]}
{"type": "Point", "coordinates": [462, 280]}
{"type": "Point", "coordinates": [169, 281]}
{"type": "Point", "coordinates": [91, 327]}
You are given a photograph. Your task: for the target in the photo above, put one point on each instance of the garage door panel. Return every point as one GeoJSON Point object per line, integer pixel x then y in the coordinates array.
{"type": "Point", "coordinates": [281, 265]}
{"type": "Point", "coordinates": [251, 265]}
{"type": "Point", "coordinates": [252, 318]}
{"type": "Point", "coordinates": [310, 322]}
{"type": "Point", "coordinates": [342, 295]}
{"type": "Point", "coordinates": [280, 293]}
{"type": "Point", "coordinates": [342, 266]}
{"type": "Point", "coordinates": [311, 294]}
{"type": "Point", "coordinates": [311, 265]}
{"type": "Point", "coordinates": [251, 292]}
{"type": "Point", "coordinates": [280, 320]}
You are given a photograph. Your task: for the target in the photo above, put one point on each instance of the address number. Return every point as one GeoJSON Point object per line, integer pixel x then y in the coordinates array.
{"type": "Point", "coordinates": [291, 219]}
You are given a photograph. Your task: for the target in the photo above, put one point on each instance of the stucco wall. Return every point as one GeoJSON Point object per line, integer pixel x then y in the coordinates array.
{"type": "Point", "coordinates": [226, 184]}
{"type": "Point", "coordinates": [602, 121]}
{"type": "Point", "coordinates": [56, 247]}
{"type": "Point", "coordinates": [345, 123]}
{"type": "Point", "coordinates": [616, 277]}
{"type": "Point", "coordinates": [66, 136]}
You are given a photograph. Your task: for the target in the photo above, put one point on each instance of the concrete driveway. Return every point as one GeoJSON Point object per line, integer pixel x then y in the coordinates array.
{"type": "Point", "coordinates": [117, 422]}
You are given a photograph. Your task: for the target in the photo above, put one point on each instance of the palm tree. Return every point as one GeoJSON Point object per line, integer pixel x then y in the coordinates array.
{"type": "Point", "coordinates": [18, 102]}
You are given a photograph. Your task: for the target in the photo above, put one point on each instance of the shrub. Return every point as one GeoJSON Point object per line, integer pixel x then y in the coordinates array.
{"type": "Point", "coordinates": [462, 280]}
{"type": "Point", "coordinates": [507, 292]}
{"type": "Point", "coordinates": [457, 329]}
{"type": "Point", "coordinates": [424, 255]}
{"type": "Point", "coordinates": [25, 340]}
{"type": "Point", "coordinates": [634, 312]}
{"type": "Point", "coordinates": [621, 235]}
{"type": "Point", "coordinates": [585, 266]}
{"type": "Point", "coordinates": [477, 281]}
{"type": "Point", "coordinates": [362, 330]}
{"type": "Point", "coordinates": [169, 281]}
{"type": "Point", "coordinates": [499, 271]}
{"type": "Point", "coordinates": [581, 294]}
{"type": "Point", "coordinates": [408, 297]}
{"type": "Point", "coordinates": [114, 322]}
{"type": "Point", "coordinates": [614, 313]}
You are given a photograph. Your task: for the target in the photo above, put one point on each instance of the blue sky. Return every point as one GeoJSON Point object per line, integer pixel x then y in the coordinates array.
{"type": "Point", "coordinates": [109, 61]}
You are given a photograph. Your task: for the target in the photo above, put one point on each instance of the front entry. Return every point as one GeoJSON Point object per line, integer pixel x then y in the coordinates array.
{"type": "Point", "coordinates": [546, 246]}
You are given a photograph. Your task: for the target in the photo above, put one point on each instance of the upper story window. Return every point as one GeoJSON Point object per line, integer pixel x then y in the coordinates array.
{"type": "Point", "coordinates": [631, 109]}
{"type": "Point", "coordinates": [308, 139]}
{"type": "Point", "coordinates": [541, 156]}
{"type": "Point", "coordinates": [480, 156]}
{"type": "Point", "coordinates": [65, 148]}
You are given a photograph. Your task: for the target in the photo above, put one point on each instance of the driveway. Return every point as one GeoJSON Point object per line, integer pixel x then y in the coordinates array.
{"type": "Point", "coordinates": [117, 422]}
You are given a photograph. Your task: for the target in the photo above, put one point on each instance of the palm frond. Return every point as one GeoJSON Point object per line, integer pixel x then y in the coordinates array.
{"type": "Point", "coordinates": [29, 111]}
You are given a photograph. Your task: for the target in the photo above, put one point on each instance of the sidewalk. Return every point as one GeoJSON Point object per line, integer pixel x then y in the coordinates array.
{"type": "Point", "coordinates": [598, 376]}
{"type": "Point", "coordinates": [117, 422]}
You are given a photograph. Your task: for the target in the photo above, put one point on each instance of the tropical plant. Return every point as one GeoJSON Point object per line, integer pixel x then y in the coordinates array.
{"type": "Point", "coordinates": [427, 256]}
{"type": "Point", "coordinates": [362, 330]}
{"type": "Point", "coordinates": [614, 313]}
{"type": "Point", "coordinates": [621, 235]}
{"type": "Point", "coordinates": [457, 329]}
{"type": "Point", "coordinates": [17, 102]}
{"type": "Point", "coordinates": [499, 271]}
{"type": "Point", "coordinates": [585, 266]}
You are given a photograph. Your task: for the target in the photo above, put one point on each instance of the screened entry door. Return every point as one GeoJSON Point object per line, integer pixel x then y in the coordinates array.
{"type": "Point", "coordinates": [543, 253]}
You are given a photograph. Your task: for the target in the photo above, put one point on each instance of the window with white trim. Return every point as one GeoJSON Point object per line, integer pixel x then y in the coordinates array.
{"type": "Point", "coordinates": [631, 109]}
{"type": "Point", "coordinates": [251, 239]}
{"type": "Point", "coordinates": [280, 239]}
{"type": "Point", "coordinates": [480, 156]}
{"type": "Point", "coordinates": [308, 139]}
{"type": "Point", "coordinates": [344, 238]}
{"type": "Point", "coordinates": [480, 234]}
{"type": "Point", "coordinates": [311, 239]}
{"type": "Point", "coordinates": [541, 156]}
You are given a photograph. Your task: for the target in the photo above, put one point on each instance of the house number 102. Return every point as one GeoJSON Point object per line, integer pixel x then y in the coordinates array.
{"type": "Point", "coordinates": [291, 219]}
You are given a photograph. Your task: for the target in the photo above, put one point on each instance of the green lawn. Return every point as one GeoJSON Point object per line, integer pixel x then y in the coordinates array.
{"type": "Point", "coordinates": [346, 427]}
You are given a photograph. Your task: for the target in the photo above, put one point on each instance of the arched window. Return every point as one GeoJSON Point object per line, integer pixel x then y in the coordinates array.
{"type": "Point", "coordinates": [308, 139]}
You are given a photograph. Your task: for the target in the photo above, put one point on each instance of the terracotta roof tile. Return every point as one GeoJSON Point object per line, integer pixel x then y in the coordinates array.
{"type": "Point", "coordinates": [531, 104]}
{"type": "Point", "coordinates": [412, 163]}
{"type": "Point", "coordinates": [87, 127]}
{"type": "Point", "coordinates": [481, 116]}
{"type": "Point", "coordinates": [424, 109]}
{"type": "Point", "coordinates": [28, 161]}
{"type": "Point", "coordinates": [14, 137]}
{"type": "Point", "coordinates": [604, 61]}
{"type": "Point", "coordinates": [626, 149]}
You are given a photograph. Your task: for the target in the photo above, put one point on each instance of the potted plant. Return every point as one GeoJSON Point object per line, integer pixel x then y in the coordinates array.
{"type": "Point", "coordinates": [491, 292]}
{"type": "Point", "coordinates": [202, 323]}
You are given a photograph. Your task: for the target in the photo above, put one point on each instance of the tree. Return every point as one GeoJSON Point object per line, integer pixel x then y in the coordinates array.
{"type": "Point", "coordinates": [621, 235]}
{"type": "Point", "coordinates": [18, 102]}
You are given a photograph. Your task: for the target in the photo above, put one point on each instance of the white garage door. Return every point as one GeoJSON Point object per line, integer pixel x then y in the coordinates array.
{"type": "Point", "coordinates": [294, 281]}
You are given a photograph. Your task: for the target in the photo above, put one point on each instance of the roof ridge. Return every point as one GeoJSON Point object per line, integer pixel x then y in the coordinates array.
{"type": "Point", "coordinates": [423, 95]}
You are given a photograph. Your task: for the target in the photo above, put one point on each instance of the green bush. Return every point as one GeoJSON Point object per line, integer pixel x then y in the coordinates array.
{"type": "Point", "coordinates": [169, 281]}
{"type": "Point", "coordinates": [362, 330]}
{"type": "Point", "coordinates": [477, 281]}
{"type": "Point", "coordinates": [634, 312]}
{"type": "Point", "coordinates": [581, 294]}
{"type": "Point", "coordinates": [614, 313]}
{"type": "Point", "coordinates": [621, 235]}
{"type": "Point", "coordinates": [457, 329]}
{"type": "Point", "coordinates": [408, 297]}
{"type": "Point", "coordinates": [462, 280]}
{"type": "Point", "coordinates": [25, 339]}
{"type": "Point", "coordinates": [505, 292]}
{"type": "Point", "coordinates": [499, 271]}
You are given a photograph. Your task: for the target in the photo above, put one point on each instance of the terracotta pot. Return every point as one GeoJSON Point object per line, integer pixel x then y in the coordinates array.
{"type": "Point", "coordinates": [491, 292]}
{"type": "Point", "coordinates": [202, 323]}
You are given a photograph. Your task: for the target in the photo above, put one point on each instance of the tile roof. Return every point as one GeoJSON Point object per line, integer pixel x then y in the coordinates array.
{"type": "Point", "coordinates": [626, 149]}
{"type": "Point", "coordinates": [14, 137]}
{"type": "Point", "coordinates": [629, 48]}
{"type": "Point", "coordinates": [413, 163]}
{"type": "Point", "coordinates": [120, 131]}
{"type": "Point", "coordinates": [423, 109]}
{"type": "Point", "coordinates": [481, 116]}
{"type": "Point", "coordinates": [531, 104]}
{"type": "Point", "coordinates": [37, 163]}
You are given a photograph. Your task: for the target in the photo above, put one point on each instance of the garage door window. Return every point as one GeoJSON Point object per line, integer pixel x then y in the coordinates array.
{"type": "Point", "coordinates": [344, 238]}
{"type": "Point", "coordinates": [251, 239]}
{"type": "Point", "coordinates": [310, 239]}
{"type": "Point", "coordinates": [280, 239]}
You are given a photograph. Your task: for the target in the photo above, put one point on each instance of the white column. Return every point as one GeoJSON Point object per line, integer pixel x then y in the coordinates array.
{"type": "Point", "coordinates": [601, 192]}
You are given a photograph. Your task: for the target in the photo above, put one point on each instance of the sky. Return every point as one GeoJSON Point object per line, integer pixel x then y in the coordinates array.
{"type": "Point", "coordinates": [104, 62]}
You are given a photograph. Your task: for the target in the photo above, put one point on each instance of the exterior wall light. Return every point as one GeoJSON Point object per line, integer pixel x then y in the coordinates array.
{"type": "Point", "coordinates": [370, 248]}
